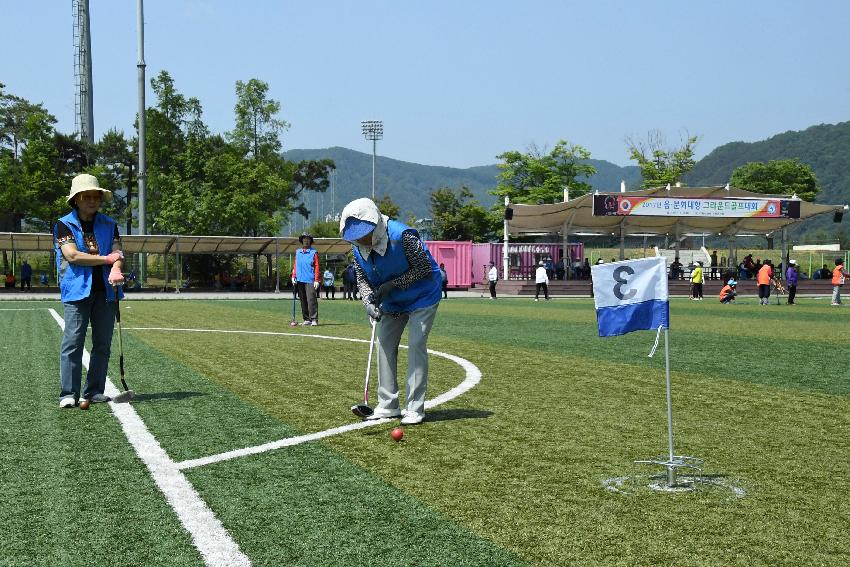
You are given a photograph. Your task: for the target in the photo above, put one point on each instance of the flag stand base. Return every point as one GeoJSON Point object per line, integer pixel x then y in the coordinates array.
{"type": "Point", "coordinates": [673, 481]}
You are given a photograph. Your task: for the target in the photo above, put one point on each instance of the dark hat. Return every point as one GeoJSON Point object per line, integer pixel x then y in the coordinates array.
{"type": "Point", "coordinates": [305, 235]}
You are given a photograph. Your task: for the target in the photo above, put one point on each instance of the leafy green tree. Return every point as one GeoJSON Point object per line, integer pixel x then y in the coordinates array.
{"type": "Point", "coordinates": [777, 177]}
{"type": "Point", "coordinates": [458, 216]}
{"type": "Point", "coordinates": [257, 129]}
{"type": "Point", "coordinates": [535, 176]}
{"type": "Point", "coordinates": [387, 206]}
{"type": "Point", "coordinates": [324, 229]}
{"type": "Point", "coordinates": [118, 161]}
{"type": "Point", "coordinates": [660, 166]}
{"type": "Point", "coordinates": [32, 164]}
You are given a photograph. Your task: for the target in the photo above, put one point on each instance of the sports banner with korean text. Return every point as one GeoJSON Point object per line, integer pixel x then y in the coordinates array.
{"type": "Point", "coordinates": [633, 205]}
{"type": "Point", "coordinates": [631, 296]}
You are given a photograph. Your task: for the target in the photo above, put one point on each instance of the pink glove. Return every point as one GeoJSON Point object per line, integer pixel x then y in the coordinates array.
{"type": "Point", "coordinates": [114, 257]}
{"type": "Point", "coordinates": [115, 276]}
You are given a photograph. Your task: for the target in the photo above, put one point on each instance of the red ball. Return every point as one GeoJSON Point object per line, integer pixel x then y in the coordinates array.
{"type": "Point", "coordinates": [397, 434]}
{"type": "Point", "coordinates": [84, 404]}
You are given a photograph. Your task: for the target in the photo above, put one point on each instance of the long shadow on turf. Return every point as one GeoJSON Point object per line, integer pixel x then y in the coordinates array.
{"type": "Point", "coordinates": [164, 396]}
{"type": "Point", "coordinates": [452, 414]}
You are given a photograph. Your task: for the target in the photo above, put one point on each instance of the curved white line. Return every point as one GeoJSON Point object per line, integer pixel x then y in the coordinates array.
{"type": "Point", "coordinates": [209, 536]}
{"type": "Point", "coordinates": [473, 377]}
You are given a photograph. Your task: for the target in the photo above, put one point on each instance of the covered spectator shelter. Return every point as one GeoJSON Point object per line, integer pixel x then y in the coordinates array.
{"type": "Point", "coordinates": [771, 214]}
{"type": "Point", "coordinates": [181, 245]}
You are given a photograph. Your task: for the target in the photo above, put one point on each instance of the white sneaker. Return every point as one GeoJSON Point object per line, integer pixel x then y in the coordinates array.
{"type": "Point", "coordinates": [315, 323]}
{"type": "Point", "coordinates": [306, 323]}
{"type": "Point", "coordinates": [412, 418]}
{"type": "Point", "coordinates": [67, 402]}
{"type": "Point", "coordinates": [381, 413]}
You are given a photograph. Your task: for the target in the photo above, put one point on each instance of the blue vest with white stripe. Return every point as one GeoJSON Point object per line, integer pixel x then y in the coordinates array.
{"type": "Point", "coordinates": [393, 263]}
{"type": "Point", "coordinates": [75, 281]}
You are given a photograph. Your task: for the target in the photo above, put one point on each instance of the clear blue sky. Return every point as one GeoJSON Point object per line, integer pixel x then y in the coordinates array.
{"type": "Point", "coordinates": [458, 82]}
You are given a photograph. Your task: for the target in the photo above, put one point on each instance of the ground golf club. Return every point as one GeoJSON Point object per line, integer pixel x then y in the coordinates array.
{"type": "Point", "coordinates": [127, 394]}
{"type": "Point", "coordinates": [363, 410]}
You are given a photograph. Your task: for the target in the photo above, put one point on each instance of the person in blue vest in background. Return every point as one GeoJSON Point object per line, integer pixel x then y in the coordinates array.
{"type": "Point", "coordinates": [400, 286]}
{"type": "Point", "coordinates": [305, 278]}
{"type": "Point", "coordinates": [86, 243]}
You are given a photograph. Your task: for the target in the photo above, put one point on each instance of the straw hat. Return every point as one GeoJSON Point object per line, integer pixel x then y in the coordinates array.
{"type": "Point", "coordinates": [85, 182]}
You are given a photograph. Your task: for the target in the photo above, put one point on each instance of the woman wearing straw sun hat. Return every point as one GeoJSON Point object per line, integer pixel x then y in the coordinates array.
{"type": "Point", "coordinates": [85, 242]}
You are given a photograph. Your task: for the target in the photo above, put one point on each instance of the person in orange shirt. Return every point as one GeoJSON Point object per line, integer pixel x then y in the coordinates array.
{"type": "Point", "coordinates": [838, 276]}
{"type": "Point", "coordinates": [764, 277]}
{"type": "Point", "coordinates": [729, 291]}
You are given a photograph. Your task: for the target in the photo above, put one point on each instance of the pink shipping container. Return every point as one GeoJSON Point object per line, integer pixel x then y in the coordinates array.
{"type": "Point", "coordinates": [522, 257]}
{"type": "Point", "coordinates": [457, 256]}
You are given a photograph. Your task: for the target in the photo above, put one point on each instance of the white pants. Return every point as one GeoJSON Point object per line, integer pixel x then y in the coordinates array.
{"type": "Point", "coordinates": [389, 333]}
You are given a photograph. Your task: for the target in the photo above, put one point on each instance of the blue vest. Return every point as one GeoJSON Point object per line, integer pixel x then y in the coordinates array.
{"type": "Point", "coordinates": [304, 267]}
{"type": "Point", "coordinates": [75, 281]}
{"type": "Point", "coordinates": [393, 263]}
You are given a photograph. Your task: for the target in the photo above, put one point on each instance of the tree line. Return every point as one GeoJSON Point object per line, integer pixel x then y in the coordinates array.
{"type": "Point", "coordinates": [239, 184]}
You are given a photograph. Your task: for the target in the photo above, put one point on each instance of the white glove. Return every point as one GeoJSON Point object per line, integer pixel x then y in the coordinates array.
{"type": "Point", "coordinates": [316, 286]}
{"type": "Point", "coordinates": [374, 312]}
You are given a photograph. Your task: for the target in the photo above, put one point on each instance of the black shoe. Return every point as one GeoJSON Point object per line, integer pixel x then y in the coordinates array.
{"type": "Point", "coordinates": [100, 399]}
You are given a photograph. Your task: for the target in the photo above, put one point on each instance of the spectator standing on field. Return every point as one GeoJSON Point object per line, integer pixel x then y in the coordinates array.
{"type": "Point", "coordinates": [838, 277]}
{"type": "Point", "coordinates": [764, 277]}
{"type": "Point", "coordinates": [85, 242]}
{"type": "Point", "coordinates": [492, 278]}
{"type": "Point", "coordinates": [26, 276]}
{"type": "Point", "coordinates": [401, 288]}
{"type": "Point", "coordinates": [541, 279]}
{"type": "Point", "coordinates": [328, 283]}
{"type": "Point", "coordinates": [715, 272]}
{"type": "Point", "coordinates": [445, 279]}
{"type": "Point", "coordinates": [348, 280]}
{"type": "Point", "coordinates": [305, 278]}
{"type": "Point", "coordinates": [791, 279]}
{"type": "Point", "coordinates": [696, 281]}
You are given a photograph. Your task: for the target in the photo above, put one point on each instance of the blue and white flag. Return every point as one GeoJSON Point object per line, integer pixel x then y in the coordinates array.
{"type": "Point", "coordinates": [631, 296]}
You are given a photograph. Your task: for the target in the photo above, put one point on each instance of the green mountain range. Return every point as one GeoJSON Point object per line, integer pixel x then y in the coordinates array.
{"type": "Point", "coordinates": [825, 147]}
{"type": "Point", "coordinates": [410, 184]}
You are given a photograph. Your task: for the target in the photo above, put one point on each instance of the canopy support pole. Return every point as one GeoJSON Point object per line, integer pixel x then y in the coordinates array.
{"type": "Point", "coordinates": [505, 243]}
{"type": "Point", "coordinates": [276, 266]}
{"type": "Point", "coordinates": [622, 240]}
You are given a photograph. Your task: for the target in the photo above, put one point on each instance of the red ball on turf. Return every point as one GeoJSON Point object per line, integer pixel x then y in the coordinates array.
{"type": "Point", "coordinates": [84, 404]}
{"type": "Point", "coordinates": [397, 434]}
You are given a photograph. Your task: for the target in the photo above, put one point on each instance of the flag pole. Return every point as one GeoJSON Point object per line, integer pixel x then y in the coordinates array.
{"type": "Point", "coordinates": [671, 469]}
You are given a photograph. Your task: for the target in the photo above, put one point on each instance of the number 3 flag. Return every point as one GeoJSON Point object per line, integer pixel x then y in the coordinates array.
{"type": "Point", "coordinates": [631, 296]}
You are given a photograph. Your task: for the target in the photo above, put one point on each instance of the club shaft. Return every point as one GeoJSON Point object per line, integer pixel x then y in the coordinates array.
{"type": "Point", "coordinates": [369, 366]}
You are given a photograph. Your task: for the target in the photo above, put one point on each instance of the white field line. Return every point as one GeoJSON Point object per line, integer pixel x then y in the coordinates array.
{"type": "Point", "coordinates": [473, 377]}
{"type": "Point", "coordinates": [208, 534]}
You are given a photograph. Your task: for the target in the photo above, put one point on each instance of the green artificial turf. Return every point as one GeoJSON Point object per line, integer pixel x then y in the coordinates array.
{"type": "Point", "coordinates": [511, 472]}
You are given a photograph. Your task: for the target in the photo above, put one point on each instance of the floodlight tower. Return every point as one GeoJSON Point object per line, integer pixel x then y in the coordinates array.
{"type": "Point", "coordinates": [373, 130]}
{"type": "Point", "coordinates": [83, 103]}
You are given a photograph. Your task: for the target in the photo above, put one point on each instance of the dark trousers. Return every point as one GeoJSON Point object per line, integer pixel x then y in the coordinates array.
{"type": "Point", "coordinates": [493, 290]}
{"type": "Point", "coordinates": [697, 290]}
{"type": "Point", "coordinates": [764, 291]}
{"type": "Point", "coordinates": [445, 290]}
{"type": "Point", "coordinates": [792, 293]}
{"type": "Point", "coordinates": [26, 282]}
{"type": "Point", "coordinates": [348, 290]}
{"type": "Point", "coordinates": [545, 289]}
